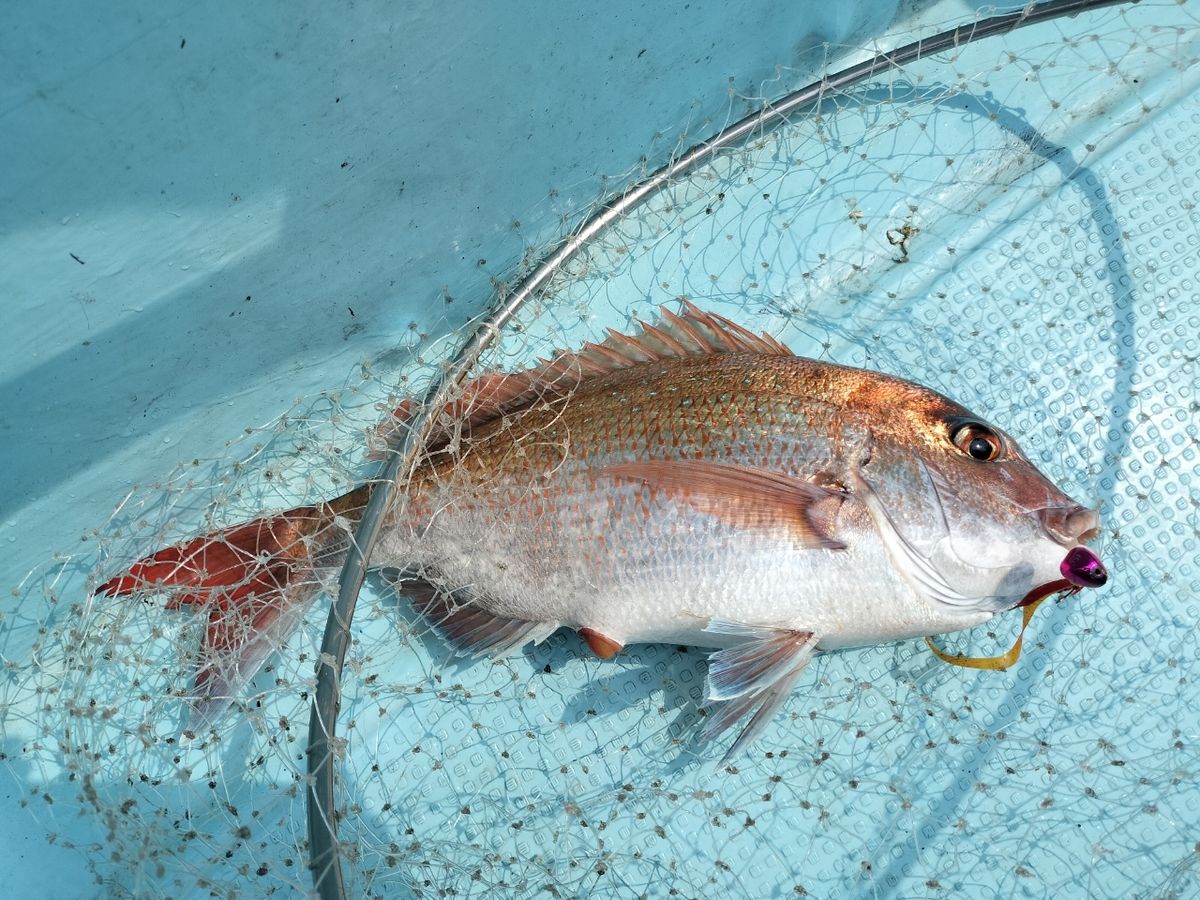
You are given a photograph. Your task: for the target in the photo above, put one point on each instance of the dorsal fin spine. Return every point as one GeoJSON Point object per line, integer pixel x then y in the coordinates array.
{"type": "Point", "coordinates": [664, 338]}
{"type": "Point", "coordinates": [638, 350]}
{"type": "Point", "coordinates": [609, 354]}
{"type": "Point", "coordinates": [691, 331]}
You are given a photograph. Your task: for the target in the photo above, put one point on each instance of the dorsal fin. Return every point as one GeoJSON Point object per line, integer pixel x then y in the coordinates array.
{"type": "Point", "coordinates": [688, 333]}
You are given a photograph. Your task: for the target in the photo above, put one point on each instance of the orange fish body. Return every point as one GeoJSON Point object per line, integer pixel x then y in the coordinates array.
{"type": "Point", "coordinates": [695, 484]}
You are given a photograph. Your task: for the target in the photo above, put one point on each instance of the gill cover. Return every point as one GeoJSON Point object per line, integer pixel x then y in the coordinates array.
{"type": "Point", "coordinates": [918, 566]}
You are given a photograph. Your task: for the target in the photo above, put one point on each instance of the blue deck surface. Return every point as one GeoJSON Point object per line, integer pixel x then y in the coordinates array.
{"type": "Point", "coordinates": [209, 216]}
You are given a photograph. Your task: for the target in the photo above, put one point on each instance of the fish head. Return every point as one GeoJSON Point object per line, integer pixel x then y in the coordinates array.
{"type": "Point", "coordinates": [995, 530]}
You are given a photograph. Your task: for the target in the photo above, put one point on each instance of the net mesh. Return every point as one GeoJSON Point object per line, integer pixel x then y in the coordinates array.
{"type": "Point", "coordinates": [1012, 223]}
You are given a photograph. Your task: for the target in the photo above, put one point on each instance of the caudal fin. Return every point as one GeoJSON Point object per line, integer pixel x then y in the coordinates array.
{"type": "Point", "coordinates": [256, 581]}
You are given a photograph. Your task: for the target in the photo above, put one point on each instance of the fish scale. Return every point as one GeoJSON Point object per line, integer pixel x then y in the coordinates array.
{"type": "Point", "coordinates": [493, 507]}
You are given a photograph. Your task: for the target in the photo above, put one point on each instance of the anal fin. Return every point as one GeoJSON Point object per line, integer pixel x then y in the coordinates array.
{"type": "Point", "coordinates": [465, 626]}
{"type": "Point", "coordinates": [753, 677]}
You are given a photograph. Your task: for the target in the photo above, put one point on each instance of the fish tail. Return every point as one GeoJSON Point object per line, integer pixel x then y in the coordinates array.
{"type": "Point", "coordinates": [255, 580]}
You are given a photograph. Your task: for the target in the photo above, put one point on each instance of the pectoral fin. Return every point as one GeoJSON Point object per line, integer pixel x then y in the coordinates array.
{"type": "Point", "coordinates": [744, 496]}
{"type": "Point", "coordinates": [753, 677]}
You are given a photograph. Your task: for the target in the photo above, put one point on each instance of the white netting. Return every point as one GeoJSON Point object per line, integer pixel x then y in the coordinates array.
{"type": "Point", "coordinates": [1012, 223]}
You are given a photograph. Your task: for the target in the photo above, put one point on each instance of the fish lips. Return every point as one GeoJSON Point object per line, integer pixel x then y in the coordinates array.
{"type": "Point", "coordinates": [1072, 526]}
{"type": "Point", "coordinates": [1081, 567]}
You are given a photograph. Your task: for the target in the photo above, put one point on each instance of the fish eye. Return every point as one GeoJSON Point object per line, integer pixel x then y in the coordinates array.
{"type": "Point", "coordinates": [977, 441]}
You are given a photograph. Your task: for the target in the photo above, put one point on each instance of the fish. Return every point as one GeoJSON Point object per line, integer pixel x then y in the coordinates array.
{"type": "Point", "coordinates": [691, 483]}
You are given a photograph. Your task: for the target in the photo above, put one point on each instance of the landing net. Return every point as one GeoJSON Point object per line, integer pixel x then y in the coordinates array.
{"type": "Point", "coordinates": [1011, 222]}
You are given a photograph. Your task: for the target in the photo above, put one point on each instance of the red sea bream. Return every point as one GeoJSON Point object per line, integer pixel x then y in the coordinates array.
{"type": "Point", "coordinates": [695, 484]}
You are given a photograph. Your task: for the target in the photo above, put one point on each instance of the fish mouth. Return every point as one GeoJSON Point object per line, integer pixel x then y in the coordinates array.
{"type": "Point", "coordinates": [1071, 526]}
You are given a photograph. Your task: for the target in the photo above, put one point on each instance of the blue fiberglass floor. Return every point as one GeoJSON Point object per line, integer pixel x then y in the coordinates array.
{"type": "Point", "coordinates": [209, 217]}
